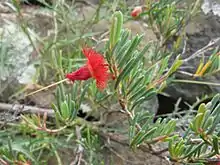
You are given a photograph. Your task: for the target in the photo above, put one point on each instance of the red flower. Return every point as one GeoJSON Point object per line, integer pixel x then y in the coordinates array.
{"type": "Point", "coordinates": [95, 68]}
{"type": "Point", "coordinates": [136, 11]}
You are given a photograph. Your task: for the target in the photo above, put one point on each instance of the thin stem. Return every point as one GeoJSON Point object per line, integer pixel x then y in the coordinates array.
{"type": "Point", "coordinates": [49, 86]}
{"type": "Point", "coordinates": [57, 156]}
{"type": "Point", "coordinates": [196, 82]}
{"type": "Point", "coordinates": [203, 50]}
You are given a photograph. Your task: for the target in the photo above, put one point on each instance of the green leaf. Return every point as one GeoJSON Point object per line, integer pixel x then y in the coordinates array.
{"type": "Point", "coordinates": [113, 32]}
{"type": "Point", "coordinates": [208, 123]}
{"type": "Point", "coordinates": [141, 136]}
{"type": "Point", "coordinates": [85, 89]}
{"type": "Point", "coordinates": [74, 110]}
{"type": "Point", "coordinates": [65, 112]}
{"type": "Point", "coordinates": [171, 148]}
{"type": "Point", "coordinates": [58, 97]}
{"type": "Point", "coordinates": [131, 64]}
{"type": "Point", "coordinates": [216, 111]}
{"type": "Point", "coordinates": [170, 127]}
{"type": "Point", "coordinates": [206, 116]}
{"type": "Point", "coordinates": [119, 24]}
{"type": "Point", "coordinates": [188, 149]}
{"type": "Point", "coordinates": [116, 28]}
{"type": "Point", "coordinates": [178, 147]}
{"type": "Point", "coordinates": [138, 93]}
{"type": "Point", "coordinates": [146, 135]}
{"type": "Point", "coordinates": [136, 84]}
{"type": "Point", "coordinates": [164, 64]}
{"type": "Point", "coordinates": [148, 96]}
{"type": "Point", "coordinates": [20, 149]}
{"type": "Point", "coordinates": [214, 101]}
{"type": "Point", "coordinates": [129, 53]}
{"type": "Point", "coordinates": [177, 63]}
{"type": "Point", "coordinates": [131, 132]}
{"type": "Point", "coordinates": [194, 150]}
{"type": "Point", "coordinates": [215, 123]}
{"type": "Point", "coordinates": [215, 143]}
{"type": "Point", "coordinates": [202, 108]}
{"type": "Point", "coordinates": [55, 108]}
{"type": "Point", "coordinates": [124, 36]}
{"type": "Point", "coordinates": [125, 72]}
{"type": "Point", "coordinates": [121, 52]}
{"type": "Point", "coordinates": [198, 121]}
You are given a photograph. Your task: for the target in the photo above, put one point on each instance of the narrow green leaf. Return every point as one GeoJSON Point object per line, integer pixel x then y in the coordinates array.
{"type": "Point", "coordinates": [215, 143]}
{"type": "Point", "coordinates": [170, 127]}
{"type": "Point", "coordinates": [178, 146]}
{"type": "Point", "coordinates": [214, 101]}
{"type": "Point", "coordinates": [125, 35]}
{"type": "Point", "coordinates": [194, 150]}
{"type": "Point", "coordinates": [198, 121]}
{"type": "Point", "coordinates": [140, 100]}
{"type": "Point", "coordinates": [119, 24]}
{"type": "Point", "coordinates": [74, 110]}
{"type": "Point", "coordinates": [113, 32]}
{"type": "Point", "coordinates": [69, 99]}
{"type": "Point", "coordinates": [206, 116]}
{"type": "Point", "coordinates": [125, 72]}
{"type": "Point", "coordinates": [85, 89]}
{"type": "Point", "coordinates": [58, 97]}
{"type": "Point", "coordinates": [216, 111]}
{"type": "Point", "coordinates": [130, 51]}
{"type": "Point", "coordinates": [23, 151]}
{"type": "Point", "coordinates": [202, 108]}
{"type": "Point", "coordinates": [121, 53]}
{"type": "Point", "coordinates": [131, 64]}
{"type": "Point", "coordinates": [65, 110]}
{"type": "Point", "coordinates": [188, 149]}
{"type": "Point", "coordinates": [131, 132]}
{"type": "Point", "coordinates": [208, 123]}
{"type": "Point", "coordinates": [181, 150]}
{"type": "Point", "coordinates": [171, 148]}
{"type": "Point", "coordinates": [215, 123]}
{"type": "Point", "coordinates": [135, 139]}
{"type": "Point", "coordinates": [135, 85]}
{"type": "Point", "coordinates": [175, 66]}
{"type": "Point", "coordinates": [146, 135]}
{"type": "Point", "coordinates": [138, 93]}
{"type": "Point", "coordinates": [164, 64]}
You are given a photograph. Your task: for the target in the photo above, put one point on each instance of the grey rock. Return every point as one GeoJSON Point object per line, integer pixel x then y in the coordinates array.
{"type": "Point", "coordinates": [17, 55]}
{"type": "Point", "coordinates": [211, 6]}
{"type": "Point", "coordinates": [200, 32]}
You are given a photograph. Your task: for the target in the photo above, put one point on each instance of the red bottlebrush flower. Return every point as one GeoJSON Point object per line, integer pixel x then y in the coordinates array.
{"type": "Point", "coordinates": [95, 68]}
{"type": "Point", "coordinates": [136, 11]}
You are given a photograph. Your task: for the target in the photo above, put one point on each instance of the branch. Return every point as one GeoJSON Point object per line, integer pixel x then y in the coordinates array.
{"type": "Point", "coordinates": [203, 50]}
{"type": "Point", "coordinates": [20, 108]}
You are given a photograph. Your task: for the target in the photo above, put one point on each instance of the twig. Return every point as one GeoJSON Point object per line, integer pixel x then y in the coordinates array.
{"type": "Point", "coordinates": [196, 82]}
{"type": "Point", "coordinates": [80, 148]}
{"type": "Point", "coordinates": [160, 152]}
{"type": "Point", "coordinates": [184, 47]}
{"type": "Point", "coordinates": [25, 109]}
{"type": "Point", "coordinates": [203, 50]}
{"type": "Point", "coordinates": [49, 86]}
{"type": "Point", "coordinates": [3, 162]}
{"type": "Point", "coordinates": [78, 158]}
{"type": "Point", "coordinates": [185, 73]}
